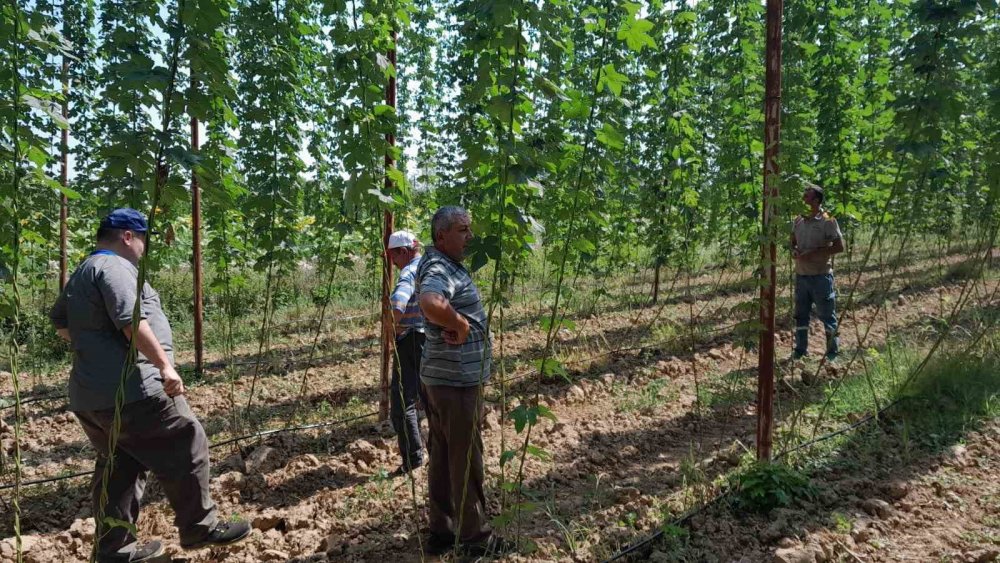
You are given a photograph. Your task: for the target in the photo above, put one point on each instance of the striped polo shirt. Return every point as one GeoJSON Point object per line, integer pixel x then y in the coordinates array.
{"type": "Point", "coordinates": [442, 363]}
{"type": "Point", "coordinates": [405, 300]}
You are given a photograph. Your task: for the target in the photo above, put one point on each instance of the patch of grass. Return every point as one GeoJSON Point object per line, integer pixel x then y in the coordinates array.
{"type": "Point", "coordinates": [649, 398]}
{"type": "Point", "coordinates": [878, 382]}
{"type": "Point", "coordinates": [951, 396]}
{"type": "Point", "coordinates": [841, 522]}
{"type": "Point", "coordinates": [981, 537]}
{"type": "Point", "coordinates": [727, 390]}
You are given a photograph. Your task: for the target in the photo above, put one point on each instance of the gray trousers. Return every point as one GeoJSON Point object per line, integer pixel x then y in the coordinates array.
{"type": "Point", "coordinates": [456, 448]}
{"type": "Point", "coordinates": [403, 392]}
{"type": "Point", "coordinates": [161, 435]}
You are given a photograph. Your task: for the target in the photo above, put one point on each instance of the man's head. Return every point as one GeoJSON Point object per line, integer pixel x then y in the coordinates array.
{"type": "Point", "coordinates": [403, 247]}
{"type": "Point", "coordinates": [813, 195]}
{"type": "Point", "coordinates": [451, 229]}
{"type": "Point", "coordinates": [124, 232]}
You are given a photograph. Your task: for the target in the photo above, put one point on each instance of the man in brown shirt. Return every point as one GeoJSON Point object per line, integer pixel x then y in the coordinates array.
{"type": "Point", "coordinates": [816, 237]}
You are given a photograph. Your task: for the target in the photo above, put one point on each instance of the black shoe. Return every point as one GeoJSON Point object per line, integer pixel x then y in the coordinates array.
{"type": "Point", "coordinates": [493, 545]}
{"type": "Point", "coordinates": [439, 544]}
{"type": "Point", "coordinates": [405, 468]}
{"type": "Point", "coordinates": [148, 550]}
{"type": "Point", "coordinates": [224, 533]}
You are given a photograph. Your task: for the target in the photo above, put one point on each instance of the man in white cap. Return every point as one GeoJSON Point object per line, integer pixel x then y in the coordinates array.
{"type": "Point", "coordinates": [404, 252]}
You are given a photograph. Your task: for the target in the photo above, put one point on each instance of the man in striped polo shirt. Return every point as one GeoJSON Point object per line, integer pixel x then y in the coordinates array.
{"type": "Point", "coordinates": [404, 251]}
{"type": "Point", "coordinates": [455, 365]}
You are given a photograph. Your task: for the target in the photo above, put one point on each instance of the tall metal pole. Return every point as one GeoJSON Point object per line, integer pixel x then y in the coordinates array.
{"type": "Point", "coordinates": [64, 180]}
{"type": "Point", "coordinates": [388, 328]}
{"type": "Point", "coordinates": [199, 349]}
{"type": "Point", "coordinates": [772, 136]}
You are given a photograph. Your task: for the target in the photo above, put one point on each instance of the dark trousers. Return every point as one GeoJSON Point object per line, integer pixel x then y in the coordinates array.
{"type": "Point", "coordinates": [818, 291]}
{"type": "Point", "coordinates": [404, 389]}
{"type": "Point", "coordinates": [161, 435]}
{"type": "Point", "coordinates": [455, 445]}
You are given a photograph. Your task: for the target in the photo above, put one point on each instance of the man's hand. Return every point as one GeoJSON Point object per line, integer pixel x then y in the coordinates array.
{"type": "Point", "coordinates": [172, 382]}
{"type": "Point", "coordinates": [458, 335]}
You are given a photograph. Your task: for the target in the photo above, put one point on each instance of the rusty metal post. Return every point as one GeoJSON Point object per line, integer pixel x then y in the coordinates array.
{"type": "Point", "coordinates": [388, 325]}
{"type": "Point", "coordinates": [772, 136]}
{"type": "Point", "coordinates": [64, 180]}
{"type": "Point", "coordinates": [196, 262]}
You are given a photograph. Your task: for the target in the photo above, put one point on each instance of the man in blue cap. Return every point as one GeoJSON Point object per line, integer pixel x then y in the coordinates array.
{"type": "Point", "coordinates": [159, 433]}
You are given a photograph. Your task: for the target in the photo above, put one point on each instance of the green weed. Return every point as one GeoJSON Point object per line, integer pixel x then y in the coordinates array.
{"type": "Point", "coordinates": [766, 486]}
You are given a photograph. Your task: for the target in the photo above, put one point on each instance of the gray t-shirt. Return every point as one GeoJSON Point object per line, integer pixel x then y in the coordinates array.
{"type": "Point", "coordinates": [445, 364]}
{"type": "Point", "coordinates": [811, 233]}
{"type": "Point", "coordinates": [95, 306]}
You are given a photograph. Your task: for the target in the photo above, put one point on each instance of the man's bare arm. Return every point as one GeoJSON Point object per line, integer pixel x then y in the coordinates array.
{"type": "Point", "coordinates": [439, 311]}
{"type": "Point", "coordinates": [64, 334]}
{"type": "Point", "coordinates": [397, 317]}
{"type": "Point", "coordinates": [836, 247]}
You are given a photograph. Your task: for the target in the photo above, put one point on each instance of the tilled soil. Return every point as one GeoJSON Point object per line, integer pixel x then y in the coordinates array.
{"type": "Point", "coordinates": [635, 443]}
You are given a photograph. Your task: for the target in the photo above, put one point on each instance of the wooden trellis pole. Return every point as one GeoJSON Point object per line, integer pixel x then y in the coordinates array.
{"type": "Point", "coordinates": [772, 136]}
{"type": "Point", "coordinates": [199, 297]}
{"type": "Point", "coordinates": [388, 328]}
{"type": "Point", "coordinates": [64, 179]}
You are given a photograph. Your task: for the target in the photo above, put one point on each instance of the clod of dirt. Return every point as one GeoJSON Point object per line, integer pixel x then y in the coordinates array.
{"type": "Point", "coordinates": [862, 531]}
{"type": "Point", "coordinates": [363, 450]}
{"type": "Point", "coordinates": [957, 455]}
{"type": "Point", "coordinates": [985, 556]}
{"type": "Point", "coordinates": [776, 530]}
{"type": "Point", "coordinates": [608, 380]}
{"type": "Point", "coordinates": [490, 421]}
{"type": "Point", "coordinates": [877, 507]}
{"type": "Point", "coordinates": [576, 393]}
{"type": "Point", "coordinates": [787, 543]}
{"type": "Point", "coordinates": [8, 547]}
{"type": "Point", "coordinates": [273, 555]}
{"type": "Point", "coordinates": [897, 490]}
{"type": "Point", "coordinates": [808, 377]}
{"type": "Point", "coordinates": [802, 554]}
{"type": "Point", "coordinates": [627, 494]}
{"type": "Point", "coordinates": [234, 462]}
{"type": "Point", "coordinates": [232, 481]}
{"type": "Point", "coordinates": [82, 528]}
{"type": "Point", "coordinates": [901, 300]}
{"type": "Point", "coordinates": [263, 460]}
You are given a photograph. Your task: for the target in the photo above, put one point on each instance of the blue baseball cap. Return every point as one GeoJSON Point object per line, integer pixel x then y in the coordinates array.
{"type": "Point", "coordinates": [126, 218]}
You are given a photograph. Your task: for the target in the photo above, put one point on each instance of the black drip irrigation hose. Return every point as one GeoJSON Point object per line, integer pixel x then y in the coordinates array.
{"type": "Point", "coordinates": [726, 492]}
{"type": "Point", "coordinates": [9, 403]}
{"type": "Point", "coordinates": [213, 446]}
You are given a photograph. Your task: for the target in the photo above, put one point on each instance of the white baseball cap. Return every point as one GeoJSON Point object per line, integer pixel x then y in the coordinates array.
{"type": "Point", "coordinates": [402, 239]}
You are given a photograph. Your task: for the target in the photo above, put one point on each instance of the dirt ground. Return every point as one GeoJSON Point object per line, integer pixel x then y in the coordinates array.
{"type": "Point", "coordinates": [636, 443]}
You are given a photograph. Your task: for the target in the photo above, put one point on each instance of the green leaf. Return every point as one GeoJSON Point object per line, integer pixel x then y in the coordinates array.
{"type": "Point", "coordinates": [635, 34]}
{"type": "Point", "coordinates": [584, 245]}
{"type": "Point", "coordinates": [538, 452]}
{"type": "Point", "coordinates": [507, 456]}
{"type": "Point", "coordinates": [610, 78]}
{"type": "Point", "coordinates": [550, 367]}
{"type": "Point", "coordinates": [610, 137]}
{"type": "Point", "coordinates": [382, 109]}
{"type": "Point", "coordinates": [544, 411]}
{"type": "Point", "coordinates": [112, 522]}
